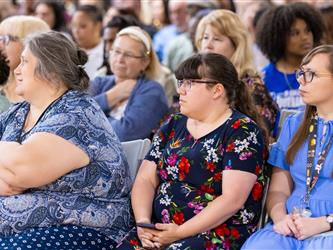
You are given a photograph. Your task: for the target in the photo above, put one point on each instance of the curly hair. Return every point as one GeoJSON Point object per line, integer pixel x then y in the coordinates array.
{"type": "Point", "coordinates": [275, 24]}
{"type": "Point", "coordinates": [4, 69]}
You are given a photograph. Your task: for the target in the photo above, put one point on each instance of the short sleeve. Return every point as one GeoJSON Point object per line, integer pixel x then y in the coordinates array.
{"type": "Point", "coordinates": [245, 147]}
{"type": "Point", "coordinates": [160, 140]}
{"type": "Point", "coordinates": [79, 120]}
{"type": "Point", "coordinates": [277, 154]}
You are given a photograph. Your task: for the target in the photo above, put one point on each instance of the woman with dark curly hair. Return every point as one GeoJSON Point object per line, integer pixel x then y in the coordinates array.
{"type": "Point", "coordinates": [285, 34]}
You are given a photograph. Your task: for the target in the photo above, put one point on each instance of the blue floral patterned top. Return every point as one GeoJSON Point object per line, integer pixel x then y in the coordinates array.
{"type": "Point", "coordinates": [95, 196]}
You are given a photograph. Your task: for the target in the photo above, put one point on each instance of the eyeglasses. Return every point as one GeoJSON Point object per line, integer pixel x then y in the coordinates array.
{"type": "Point", "coordinates": [308, 75]}
{"type": "Point", "coordinates": [6, 39]}
{"type": "Point", "coordinates": [126, 55]}
{"type": "Point", "coordinates": [187, 83]}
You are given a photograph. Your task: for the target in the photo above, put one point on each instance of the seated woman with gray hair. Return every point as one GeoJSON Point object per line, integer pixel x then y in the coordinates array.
{"type": "Point", "coordinates": [132, 100]}
{"type": "Point", "coordinates": [64, 180]}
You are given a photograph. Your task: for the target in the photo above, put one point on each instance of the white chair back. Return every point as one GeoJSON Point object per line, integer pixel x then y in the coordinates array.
{"type": "Point", "coordinates": [135, 152]}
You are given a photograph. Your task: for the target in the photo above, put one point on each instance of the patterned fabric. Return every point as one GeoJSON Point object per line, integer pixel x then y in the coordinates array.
{"type": "Point", "coordinates": [264, 102]}
{"type": "Point", "coordinates": [95, 196]}
{"type": "Point", "coordinates": [67, 237]}
{"type": "Point", "coordinates": [190, 174]}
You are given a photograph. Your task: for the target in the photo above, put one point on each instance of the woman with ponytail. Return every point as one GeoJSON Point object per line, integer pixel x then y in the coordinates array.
{"type": "Point", "coordinates": [300, 201]}
{"type": "Point", "coordinates": [63, 174]}
{"type": "Point", "coordinates": [216, 137]}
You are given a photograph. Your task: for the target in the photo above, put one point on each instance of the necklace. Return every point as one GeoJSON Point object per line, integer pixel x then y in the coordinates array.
{"type": "Point", "coordinates": [23, 133]}
{"type": "Point", "coordinates": [287, 81]}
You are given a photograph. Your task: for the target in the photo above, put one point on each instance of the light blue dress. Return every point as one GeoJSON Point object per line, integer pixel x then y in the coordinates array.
{"type": "Point", "coordinates": [321, 197]}
{"type": "Point", "coordinates": [95, 196]}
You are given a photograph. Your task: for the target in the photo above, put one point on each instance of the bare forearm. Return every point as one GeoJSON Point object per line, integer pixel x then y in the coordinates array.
{"type": "Point", "coordinates": [142, 198]}
{"type": "Point", "coordinates": [276, 205]}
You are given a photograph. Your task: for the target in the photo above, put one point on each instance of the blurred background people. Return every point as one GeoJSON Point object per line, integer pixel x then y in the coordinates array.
{"type": "Point", "coordinates": [160, 13]}
{"type": "Point", "coordinates": [13, 31]}
{"type": "Point", "coordinates": [178, 18]}
{"type": "Point", "coordinates": [53, 13]}
{"type": "Point", "coordinates": [327, 14]}
{"type": "Point", "coordinates": [86, 28]}
{"type": "Point", "coordinates": [285, 34]}
{"type": "Point", "coordinates": [222, 32]}
{"type": "Point", "coordinates": [182, 46]}
{"type": "Point", "coordinates": [110, 31]}
{"type": "Point", "coordinates": [4, 74]}
{"type": "Point", "coordinates": [131, 98]}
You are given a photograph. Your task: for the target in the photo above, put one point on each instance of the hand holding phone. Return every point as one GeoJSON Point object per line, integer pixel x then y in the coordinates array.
{"type": "Point", "coordinates": [146, 225]}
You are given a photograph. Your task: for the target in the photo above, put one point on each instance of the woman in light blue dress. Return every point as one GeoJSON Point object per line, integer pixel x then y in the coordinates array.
{"type": "Point", "coordinates": [300, 197]}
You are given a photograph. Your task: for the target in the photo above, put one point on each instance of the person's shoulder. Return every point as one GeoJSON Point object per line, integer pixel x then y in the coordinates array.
{"type": "Point", "coordinates": [149, 85]}
{"type": "Point", "coordinates": [174, 121]}
{"type": "Point", "coordinates": [293, 118]}
{"type": "Point", "coordinates": [166, 31]}
{"type": "Point", "coordinates": [269, 68]}
{"type": "Point", "coordinates": [239, 122]}
{"type": "Point", "coordinates": [103, 79]}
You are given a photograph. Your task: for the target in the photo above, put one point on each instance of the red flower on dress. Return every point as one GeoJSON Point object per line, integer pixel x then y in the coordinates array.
{"type": "Point", "coordinates": [258, 169]}
{"type": "Point", "coordinates": [172, 134]}
{"type": "Point", "coordinates": [257, 191]}
{"type": "Point", "coordinates": [209, 245]}
{"type": "Point", "coordinates": [236, 124]}
{"type": "Point", "coordinates": [181, 175]}
{"type": "Point", "coordinates": [134, 242]}
{"type": "Point", "coordinates": [161, 136]}
{"type": "Point", "coordinates": [218, 176]}
{"type": "Point", "coordinates": [206, 189]}
{"type": "Point", "coordinates": [235, 233]}
{"type": "Point", "coordinates": [230, 147]}
{"type": "Point", "coordinates": [222, 230]}
{"type": "Point", "coordinates": [178, 218]}
{"type": "Point", "coordinates": [211, 166]}
{"type": "Point", "coordinates": [184, 165]}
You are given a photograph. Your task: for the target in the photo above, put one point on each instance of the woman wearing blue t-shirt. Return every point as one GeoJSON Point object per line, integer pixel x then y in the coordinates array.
{"type": "Point", "coordinates": [285, 34]}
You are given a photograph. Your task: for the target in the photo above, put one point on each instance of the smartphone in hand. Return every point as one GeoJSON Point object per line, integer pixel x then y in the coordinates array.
{"type": "Point", "coordinates": [146, 225]}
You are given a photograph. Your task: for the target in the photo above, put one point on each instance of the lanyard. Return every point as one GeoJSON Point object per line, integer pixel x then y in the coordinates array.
{"type": "Point", "coordinates": [310, 183]}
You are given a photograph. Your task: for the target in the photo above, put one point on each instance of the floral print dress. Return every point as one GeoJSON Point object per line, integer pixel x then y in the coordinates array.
{"type": "Point", "coordinates": [190, 174]}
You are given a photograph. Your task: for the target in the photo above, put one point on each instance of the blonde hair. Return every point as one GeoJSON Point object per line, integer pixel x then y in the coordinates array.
{"type": "Point", "coordinates": [22, 26]}
{"type": "Point", "coordinates": [154, 68]}
{"type": "Point", "coordinates": [230, 25]}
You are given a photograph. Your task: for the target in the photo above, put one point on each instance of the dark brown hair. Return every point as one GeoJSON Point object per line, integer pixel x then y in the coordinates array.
{"type": "Point", "coordinates": [302, 132]}
{"type": "Point", "coordinates": [217, 67]}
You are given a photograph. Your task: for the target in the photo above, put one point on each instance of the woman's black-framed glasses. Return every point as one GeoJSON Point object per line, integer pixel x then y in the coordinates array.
{"type": "Point", "coordinates": [6, 39]}
{"type": "Point", "coordinates": [187, 83]}
{"type": "Point", "coordinates": [308, 75]}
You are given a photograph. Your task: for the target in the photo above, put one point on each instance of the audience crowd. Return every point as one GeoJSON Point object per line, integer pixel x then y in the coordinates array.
{"type": "Point", "coordinates": [236, 99]}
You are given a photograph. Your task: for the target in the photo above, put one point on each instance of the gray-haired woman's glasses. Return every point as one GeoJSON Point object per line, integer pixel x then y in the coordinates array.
{"type": "Point", "coordinates": [6, 39]}
{"type": "Point", "coordinates": [308, 75]}
{"type": "Point", "coordinates": [187, 83]}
